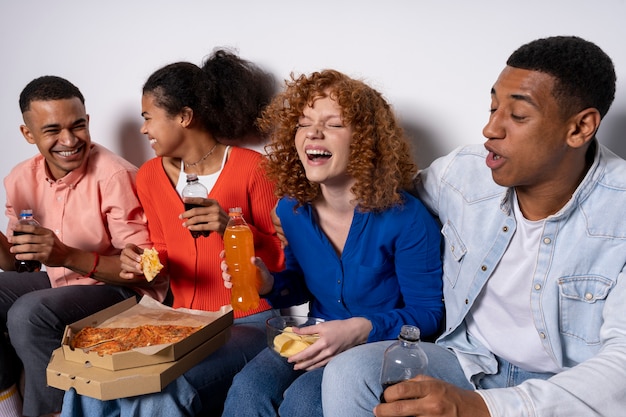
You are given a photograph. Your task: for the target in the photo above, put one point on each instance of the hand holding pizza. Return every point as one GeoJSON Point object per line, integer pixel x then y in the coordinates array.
{"type": "Point", "coordinates": [136, 261]}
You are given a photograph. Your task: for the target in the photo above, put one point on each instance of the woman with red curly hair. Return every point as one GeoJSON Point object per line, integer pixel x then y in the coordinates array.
{"type": "Point", "coordinates": [362, 252]}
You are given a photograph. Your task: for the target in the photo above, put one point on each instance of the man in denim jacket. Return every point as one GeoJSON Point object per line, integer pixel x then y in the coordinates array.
{"type": "Point", "coordinates": [534, 258]}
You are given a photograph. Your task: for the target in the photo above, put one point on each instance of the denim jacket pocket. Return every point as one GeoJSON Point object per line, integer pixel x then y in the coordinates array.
{"type": "Point", "coordinates": [454, 250]}
{"type": "Point", "coordinates": [581, 302]}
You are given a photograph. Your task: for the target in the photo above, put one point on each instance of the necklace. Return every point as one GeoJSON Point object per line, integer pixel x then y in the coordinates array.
{"type": "Point", "coordinates": [206, 155]}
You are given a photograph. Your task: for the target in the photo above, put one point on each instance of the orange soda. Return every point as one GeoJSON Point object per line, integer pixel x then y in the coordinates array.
{"type": "Point", "coordinates": [239, 249]}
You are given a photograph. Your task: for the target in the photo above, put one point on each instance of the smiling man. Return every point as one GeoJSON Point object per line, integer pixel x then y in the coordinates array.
{"type": "Point", "coordinates": [85, 200]}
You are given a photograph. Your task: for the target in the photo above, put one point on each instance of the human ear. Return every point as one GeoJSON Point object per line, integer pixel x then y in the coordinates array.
{"type": "Point", "coordinates": [584, 127]}
{"type": "Point", "coordinates": [186, 116]}
{"type": "Point", "coordinates": [26, 132]}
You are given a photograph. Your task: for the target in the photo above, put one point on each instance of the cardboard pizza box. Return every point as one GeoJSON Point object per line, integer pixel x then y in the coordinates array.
{"type": "Point", "coordinates": [105, 384]}
{"type": "Point", "coordinates": [213, 323]}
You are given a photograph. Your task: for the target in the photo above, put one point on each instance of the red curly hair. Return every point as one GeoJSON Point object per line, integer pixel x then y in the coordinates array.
{"type": "Point", "coordinates": [380, 158]}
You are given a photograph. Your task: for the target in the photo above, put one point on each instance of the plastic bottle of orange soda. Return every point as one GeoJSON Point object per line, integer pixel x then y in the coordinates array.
{"type": "Point", "coordinates": [239, 248]}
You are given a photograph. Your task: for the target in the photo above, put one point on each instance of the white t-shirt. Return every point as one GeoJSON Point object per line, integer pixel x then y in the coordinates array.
{"type": "Point", "coordinates": [207, 180]}
{"type": "Point", "coordinates": [501, 318]}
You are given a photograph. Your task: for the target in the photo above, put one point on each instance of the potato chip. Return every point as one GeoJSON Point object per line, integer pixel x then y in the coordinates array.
{"type": "Point", "coordinates": [288, 343]}
{"type": "Point", "coordinates": [292, 347]}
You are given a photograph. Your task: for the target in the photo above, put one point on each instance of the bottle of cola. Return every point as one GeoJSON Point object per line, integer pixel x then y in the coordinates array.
{"type": "Point", "coordinates": [195, 189]}
{"type": "Point", "coordinates": [26, 217]}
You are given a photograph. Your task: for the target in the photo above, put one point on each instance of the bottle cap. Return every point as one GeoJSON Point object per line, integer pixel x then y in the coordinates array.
{"type": "Point", "coordinates": [410, 333]}
{"type": "Point", "coordinates": [234, 211]}
{"type": "Point", "coordinates": [192, 177]}
{"type": "Point", "coordinates": [26, 213]}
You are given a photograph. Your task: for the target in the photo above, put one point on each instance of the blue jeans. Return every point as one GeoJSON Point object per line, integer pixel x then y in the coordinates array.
{"type": "Point", "coordinates": [199, 391]}
{"type": "Point", "coordinates": [35, 316]}
{"type": "Point", "coordinates": [351, 385]}
{"type": "Point", "coordinates": [268, 386]}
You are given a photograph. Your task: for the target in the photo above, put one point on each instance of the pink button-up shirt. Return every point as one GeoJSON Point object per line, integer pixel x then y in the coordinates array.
{"type": "Point", "coordinates": [93, 208]}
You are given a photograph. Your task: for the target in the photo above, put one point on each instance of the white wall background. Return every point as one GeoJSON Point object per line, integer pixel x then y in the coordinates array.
{"type": "Point", "coordinates": [435, 61]}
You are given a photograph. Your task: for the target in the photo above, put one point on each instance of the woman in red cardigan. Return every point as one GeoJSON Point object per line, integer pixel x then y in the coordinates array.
{"type": "Point", "coordinates": [186, 110]}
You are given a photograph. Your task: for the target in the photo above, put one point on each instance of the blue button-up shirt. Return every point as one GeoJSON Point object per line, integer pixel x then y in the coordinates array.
{"type": "Point", "coordinates": [578, 292]}
{"type": "Point", "coordinates": [389, 271]}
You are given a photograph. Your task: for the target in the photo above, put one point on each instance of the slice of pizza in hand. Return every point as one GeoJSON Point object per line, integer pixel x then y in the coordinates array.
{"type": "Point", "coordinates": [150, 263]}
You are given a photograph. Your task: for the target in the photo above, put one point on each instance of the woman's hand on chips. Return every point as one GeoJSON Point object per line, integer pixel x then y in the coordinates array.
{"type": "Point", "coordinates": [335, 336]}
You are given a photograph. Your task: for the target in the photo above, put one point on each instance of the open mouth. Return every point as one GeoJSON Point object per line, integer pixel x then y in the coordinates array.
{"type": "Point", "coordinates": [317, 154]}
{"type": "Point", "coordinates": [69, 152]}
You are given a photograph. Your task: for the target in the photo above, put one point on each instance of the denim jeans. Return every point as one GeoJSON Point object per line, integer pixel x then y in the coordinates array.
{"type": "Point", "coordinates": [268, 386]}
{"type": "Point", "coordinates": [351, 386]}
{"type": "Point", "coordinates": [200, 391]}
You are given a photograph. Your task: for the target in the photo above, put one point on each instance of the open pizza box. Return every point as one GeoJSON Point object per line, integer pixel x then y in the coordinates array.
{"type": "Point", "coordinates": [105, 384]}
{"type": "Point", "coordinates": [129, 313]}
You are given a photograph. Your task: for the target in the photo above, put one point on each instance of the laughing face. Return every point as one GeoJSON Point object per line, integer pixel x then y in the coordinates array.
{"type": "Point", "coordinates": [60, 129]}
{"type": "Point", "coordinates": [323, 143]}
{"type": "Point", "coordinates": [526, 133]}
{"type": "Point", "coordinates": [163, 130]}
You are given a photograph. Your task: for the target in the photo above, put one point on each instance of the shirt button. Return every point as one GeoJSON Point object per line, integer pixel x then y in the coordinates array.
{"type": "Point", "coordinates": [505, 229]}
{"type": "Point", "coordinates": [537, 287]}
{"type": "Point", "coordinates": [59, 198]}
{"type": "Point", "coordinates": [542, 335]}
{"type": "Point", "coordinates": [57, 231]}
{"type": "Point", "coordinates": [483, 268]}
{"type": "Point", "coordinates": [338, 281]}
{"type": "Point", "coordinates": [588, 296]}
{"type": "Point", "coordinates": [339, 301]}
{"type": "Point", "coordinates": [452, 248]}
{"type": "Point", "coordinates": [547, 240]}
{"type": "Point", "coordinates": [466, 301]}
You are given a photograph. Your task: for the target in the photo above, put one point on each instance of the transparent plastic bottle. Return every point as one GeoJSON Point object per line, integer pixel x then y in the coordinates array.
{"type": "Point", "coordinates": [404, 359]}
{"type": "Point", "coordinates": [239, 248]}
{"type": "Point", "coordinates": [26, 217]}
{"type": "Point", "coordinates": [195, 189]}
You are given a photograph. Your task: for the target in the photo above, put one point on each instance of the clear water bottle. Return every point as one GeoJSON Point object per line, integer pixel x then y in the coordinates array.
{"type": "Point", "coordinates": [239, 248]}
{"type": "Point", "coordinates": [404, 359]}
{"type": "Point", "coordinates": [195, 189]}
{"type": "Point", "coordinates": [26, 217]}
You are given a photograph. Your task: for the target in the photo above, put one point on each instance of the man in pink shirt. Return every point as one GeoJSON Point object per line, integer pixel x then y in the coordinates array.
{"type": "Point", "coordinates": [85, 200]}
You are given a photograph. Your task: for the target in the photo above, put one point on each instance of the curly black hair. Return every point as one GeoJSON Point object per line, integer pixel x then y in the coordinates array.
{"type": "Point", "coordinates": [226, 95]}
{"type": "Point", "coordinates": [240, 91]}
{"type": "Point", "coordinates": [48, 87]}
{"type": "Point", "coordinates": [584, 74]}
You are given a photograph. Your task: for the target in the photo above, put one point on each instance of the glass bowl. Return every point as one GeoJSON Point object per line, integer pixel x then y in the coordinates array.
{"type": "Point", "coordinates": [285, 342]}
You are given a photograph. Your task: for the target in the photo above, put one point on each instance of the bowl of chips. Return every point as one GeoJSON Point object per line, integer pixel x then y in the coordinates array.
{"type": "Point", "coordinates": [283, 340]}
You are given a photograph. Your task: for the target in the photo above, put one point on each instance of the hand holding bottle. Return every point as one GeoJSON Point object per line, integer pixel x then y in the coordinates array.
{"type": "Point", "coordinates": [26, 225]}
{"type": "Point", "coordinates": [265, 278]}
{"type": "Point", "coordinates": [205, 216]}
{"type": "Point", "coordinates": [424, 395]}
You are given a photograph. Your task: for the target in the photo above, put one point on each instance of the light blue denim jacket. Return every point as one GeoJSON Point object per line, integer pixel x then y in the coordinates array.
{"type": "Point", "coordinates": [578, 295]}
